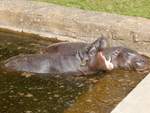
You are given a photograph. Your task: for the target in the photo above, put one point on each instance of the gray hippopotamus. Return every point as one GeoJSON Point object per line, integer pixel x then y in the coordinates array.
{"type": "Point", "coordinates": [75, 59]}
{"type": "Point", "coordinates": [120, 57]}
{"type": "Point", "coordinates": [125, 58]}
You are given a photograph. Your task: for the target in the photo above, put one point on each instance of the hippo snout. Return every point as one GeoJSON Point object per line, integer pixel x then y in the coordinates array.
{"type": "Point", "coordinates": [140, 63]}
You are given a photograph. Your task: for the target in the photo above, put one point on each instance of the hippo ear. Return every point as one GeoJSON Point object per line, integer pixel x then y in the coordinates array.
{"type": "Point", "coordinates": [103, 42]}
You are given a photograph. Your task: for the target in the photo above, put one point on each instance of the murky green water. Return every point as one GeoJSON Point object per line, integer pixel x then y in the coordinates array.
{"type": "Point", "coordinates": [40, 93]}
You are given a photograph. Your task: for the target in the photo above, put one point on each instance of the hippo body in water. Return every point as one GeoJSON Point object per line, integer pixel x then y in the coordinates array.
{"type": "Point", "coordinates": [88, 59]}
{"type": "Point", "coordinates": [78, 59]}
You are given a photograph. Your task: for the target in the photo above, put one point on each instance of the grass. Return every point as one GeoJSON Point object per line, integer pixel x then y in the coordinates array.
{"type": "Point", "coordinates": [124, 7]}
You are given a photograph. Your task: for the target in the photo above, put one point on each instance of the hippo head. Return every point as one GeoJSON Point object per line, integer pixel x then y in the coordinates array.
{"type": "Point", "coordinates": [97, 60]}
{"type": "Point", "coordinates": [141, 64]}
{"type": "Point", "coordinates": [92, 55]}
{"type": "Point", "coordinates": [138, 62]}
{"type": "Point", "coordinates": [127, 59]}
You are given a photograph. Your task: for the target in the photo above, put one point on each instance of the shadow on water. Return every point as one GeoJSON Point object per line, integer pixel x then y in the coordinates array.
{"type": "Point", "coordinates": [22, 92]}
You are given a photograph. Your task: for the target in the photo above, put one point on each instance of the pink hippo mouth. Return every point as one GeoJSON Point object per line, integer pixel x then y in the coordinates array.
{"type": "Point", "coordinates": [104, 63]}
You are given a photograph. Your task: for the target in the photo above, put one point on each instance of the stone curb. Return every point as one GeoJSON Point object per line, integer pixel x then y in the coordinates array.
{"type": "Point", "coordinates": [75, 25]}
{"type": "Point", "coordinates": [138, 99]}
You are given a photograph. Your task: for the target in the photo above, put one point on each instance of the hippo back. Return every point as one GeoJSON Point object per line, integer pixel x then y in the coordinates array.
{"type": "Point", "coordinates": [63, 48]}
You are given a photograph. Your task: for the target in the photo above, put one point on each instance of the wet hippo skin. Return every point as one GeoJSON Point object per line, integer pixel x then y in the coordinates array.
{"type": "Point", "coordinates": [63, 48]}
{"type": "Point", "coordinates": [121, 57]}
{"type": "Point", "coordinates": [79, 59]}
{"type": "Point", "coordinates": [71, 47]}
{"type": "Point", "coordinates": [88, 59]}
{"type": "Point", "coordinates": [125, 58]}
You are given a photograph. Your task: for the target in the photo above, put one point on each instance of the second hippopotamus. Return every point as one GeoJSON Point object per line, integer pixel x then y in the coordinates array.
{"type": "Point", "coordinates": [80, 60]}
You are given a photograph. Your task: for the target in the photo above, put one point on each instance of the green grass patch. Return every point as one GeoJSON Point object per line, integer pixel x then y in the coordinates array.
{"type": "Point", "coordinates": [124, 7]}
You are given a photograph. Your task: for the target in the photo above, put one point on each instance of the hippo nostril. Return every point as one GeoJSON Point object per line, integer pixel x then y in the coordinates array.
{"type": "Point", "coordinates": [140, 64]}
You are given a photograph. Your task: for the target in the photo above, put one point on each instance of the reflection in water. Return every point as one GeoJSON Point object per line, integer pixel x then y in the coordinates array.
{"type": "Point", "coordinates": [38, 94]}
{"type": "Point", "coordinates": [22, 92]}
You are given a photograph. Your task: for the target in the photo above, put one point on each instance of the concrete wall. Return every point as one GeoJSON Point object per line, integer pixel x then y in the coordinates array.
{"type": "Point", "coordinates": [75, 25]}
{"type": "Point", "coordinates": [138, 99]}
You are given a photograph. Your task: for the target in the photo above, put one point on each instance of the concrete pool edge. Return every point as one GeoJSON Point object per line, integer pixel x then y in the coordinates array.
{"type": "Point", "coordinates": [137, 101]}
{"type": "Point", "coordinates": [72, 24]}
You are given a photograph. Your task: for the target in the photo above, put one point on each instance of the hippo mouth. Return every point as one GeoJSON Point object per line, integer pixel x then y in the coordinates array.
{"type": "Point", "coordinates": [107, 64]}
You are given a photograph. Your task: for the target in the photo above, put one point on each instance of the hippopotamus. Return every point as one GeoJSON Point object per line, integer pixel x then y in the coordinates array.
{"type": "Point", "coordinates": [120, 57]}
{"type": "Point", "coordinates": [71, 59]}
{"type": "Point", "coordinates": [125, 58]}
